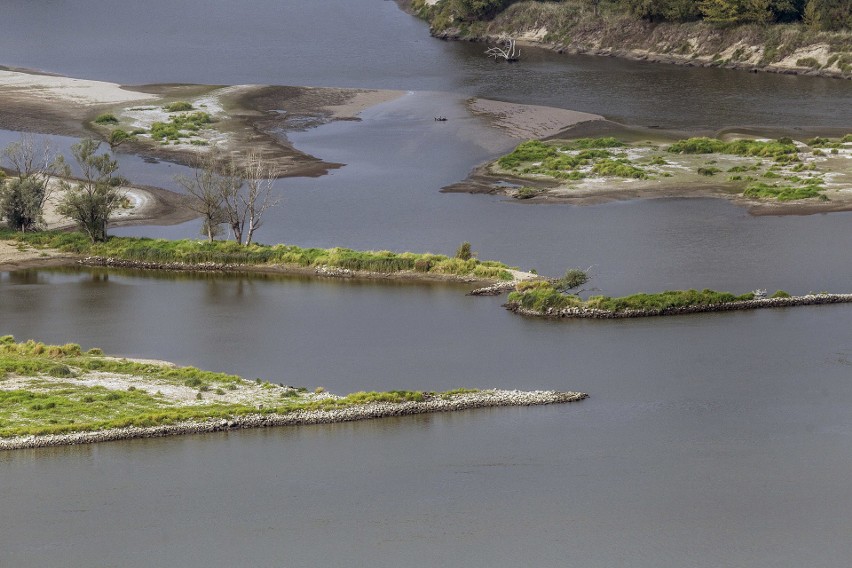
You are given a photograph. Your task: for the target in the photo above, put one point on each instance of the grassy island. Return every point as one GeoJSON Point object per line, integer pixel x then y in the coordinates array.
{"type": "Point", "coordinates": [227, 255]}
{"type": "Point", "coordinates": [753, 170]}
{"type": "Point", "coordinates": [61, 390]}
{"type": "Point", "coordinates": [544, 299]}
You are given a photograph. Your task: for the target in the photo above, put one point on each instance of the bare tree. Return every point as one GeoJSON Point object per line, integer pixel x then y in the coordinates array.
{"type": "Point", "coordinates": [206, 190]}
{"type": "Point", "coordinates": [23, 198]}
{"type": "Point", "coordinates": [248, 196]}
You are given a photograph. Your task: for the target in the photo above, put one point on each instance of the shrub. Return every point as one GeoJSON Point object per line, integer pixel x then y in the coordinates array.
{"type": "Point", "coordinates": [573, 278]}
{"type": "Point", "coordinates": [117, 136]}
{"type": "Point", "coordinates": [529, 151]}
{"type": "Point", "coordinates": [808, 62]}
{"type": "Point", "coordinates": [178, 106]}
{"type": "Point", "coordinates": [618, 169]}
{"type": "Point", "coordinates": [780, 294]}
{"type": "Point", "coordinates": [526, 193]}
{"type": "Point", "coordinates": [106, 119]}
{"type": "Point", "coordinates": [464, 251]}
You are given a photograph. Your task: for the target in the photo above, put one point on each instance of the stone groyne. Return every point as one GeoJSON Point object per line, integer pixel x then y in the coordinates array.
{"type": "Point", "coordinates": [579, 312]}
{"type": "Point", "coordinates": [434, 403]}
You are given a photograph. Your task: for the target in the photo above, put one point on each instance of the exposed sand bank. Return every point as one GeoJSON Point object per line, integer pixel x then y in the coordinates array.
{"type": "Point", "coordinates": [243, 117]}
{"type": "Point", "coordinates": [529, 121]}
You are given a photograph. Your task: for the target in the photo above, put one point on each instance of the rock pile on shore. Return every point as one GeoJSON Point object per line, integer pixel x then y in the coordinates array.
{"type": "Point", "coordinates": [494, 289]}
{"type": "Point", "coordinates": [434, 403]}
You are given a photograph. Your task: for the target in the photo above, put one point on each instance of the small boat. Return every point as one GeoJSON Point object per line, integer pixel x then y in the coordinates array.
{"type": "Point", "coordinates": [441, 118]}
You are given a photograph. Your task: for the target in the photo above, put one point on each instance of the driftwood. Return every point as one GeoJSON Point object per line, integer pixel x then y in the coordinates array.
{"type": "Point", "coordinates": [507, 51]}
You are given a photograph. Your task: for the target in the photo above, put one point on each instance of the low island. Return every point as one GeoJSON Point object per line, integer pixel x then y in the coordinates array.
{"type": "Point", "coordinates": [769, 176]}
{"type": "Point", "coordinates": [549, 300]}
{"type": "Point", "coordinates": [52, 395]}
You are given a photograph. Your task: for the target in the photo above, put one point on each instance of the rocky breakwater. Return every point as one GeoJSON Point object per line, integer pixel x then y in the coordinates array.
{"type": "Point", "coordinates": [580, 312]}
{"type": "Point", "coordinates": [430, 403]}
{"type": "Point", "coordinates": [148, 265]}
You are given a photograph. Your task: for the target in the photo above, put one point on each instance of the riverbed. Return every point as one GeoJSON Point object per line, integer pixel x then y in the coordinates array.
{"type": "Point", "coordinates": [708, 440]}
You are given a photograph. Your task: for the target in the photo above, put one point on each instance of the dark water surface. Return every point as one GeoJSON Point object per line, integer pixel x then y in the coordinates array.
{"type": "Point", "coordinates": [709, 440]}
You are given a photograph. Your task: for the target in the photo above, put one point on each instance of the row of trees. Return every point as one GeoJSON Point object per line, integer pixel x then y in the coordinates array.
{"type": "Point", "coordinates": [224, 193]}
{"type": "Point", "coordinates": [39, 171]}
{"type": "Point", "coordinates": [818, 14]}
{"type": "Point", "coordinates": [232, 195]}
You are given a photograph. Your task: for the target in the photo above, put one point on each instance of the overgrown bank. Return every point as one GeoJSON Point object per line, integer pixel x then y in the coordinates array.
{"type": "Point", "coordinates": [230, 256]}
{"type": "Point", "coordinates": [612, 29]}
{"type": "Point", "coordinates": [58, 395]}
{"type": "Point", "coordinates": [542, 299]}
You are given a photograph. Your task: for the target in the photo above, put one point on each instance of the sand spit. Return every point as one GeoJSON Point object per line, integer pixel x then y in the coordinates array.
{"type": "Point", "coordinates": [757, 303]}
{"type": "Point", "coordinates": [528, 121]}
{"type": "Point", "coordinates": [466, 401]}
{"type": "Point", "coordinates": [244, 117]}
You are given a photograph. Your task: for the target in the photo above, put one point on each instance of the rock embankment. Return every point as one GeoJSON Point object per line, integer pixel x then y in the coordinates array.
{"type": "Point", "coordinates": [318, 271]}
{"type": "Point", "coordinates": [579, 312]}
{"type": "Point", "coordinates": [435, 403]}
{"type": "Point", "coordinates": [494, 289]}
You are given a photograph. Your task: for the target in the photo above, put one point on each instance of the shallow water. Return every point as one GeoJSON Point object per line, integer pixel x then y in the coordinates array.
{"type": "Point", "coordinates": [709, 440]}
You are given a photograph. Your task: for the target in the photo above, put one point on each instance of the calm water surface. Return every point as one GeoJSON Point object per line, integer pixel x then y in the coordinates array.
{"type": "Point", "coordinates": [709, 440]}
{"type": "Point", "coordinates": [712, 440]}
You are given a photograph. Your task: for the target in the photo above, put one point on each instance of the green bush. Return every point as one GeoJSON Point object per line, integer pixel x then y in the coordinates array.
{"type": "Point", "coordinates": [178, 106]}
{"type": "Point", "coordinates": [782, 193]}
{"type": "Point", "coordinates": [106, 119]}
{"type": "Point", "coordinates": [464, 252]}
{"type": "Point", "coordinates": [780, 294]}
{"type": "Point", "coordinates": [529, 151]}
{"type": "Point", "coordinates": [616, 168]}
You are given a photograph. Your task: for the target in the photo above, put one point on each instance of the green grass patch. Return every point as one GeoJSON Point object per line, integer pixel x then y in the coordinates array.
{"type": "Point", "coordinates": [783, 148]}
{"type": "Point", "coordinates": [179, 126]}
{"type": "Point", "coordinates": [106, 119]}
{"type": "Point", "coordinates": [618, 168]}
{"type": "Point", "coordinates": [542, 296]}
{"type": "Point", "coordinates": [178, 106]}
{"type": "Point", "coordinates": [41, 404]}
{"type": "Point", "coordinates": [783, 192]}
{"type": "Point", "coordinates": [231, 253]}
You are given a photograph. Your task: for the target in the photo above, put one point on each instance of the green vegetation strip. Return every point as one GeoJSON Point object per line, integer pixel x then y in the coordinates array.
{"type": "Point", "coordinates": [52, 393]}
{"type": "Point", "coordinates": [190, 252]}
{"type": "Point", "coordinates": [544, 298]}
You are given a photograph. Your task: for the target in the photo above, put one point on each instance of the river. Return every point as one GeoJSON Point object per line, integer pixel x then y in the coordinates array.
{"type": "Point", "coordinates": [708, 440]}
